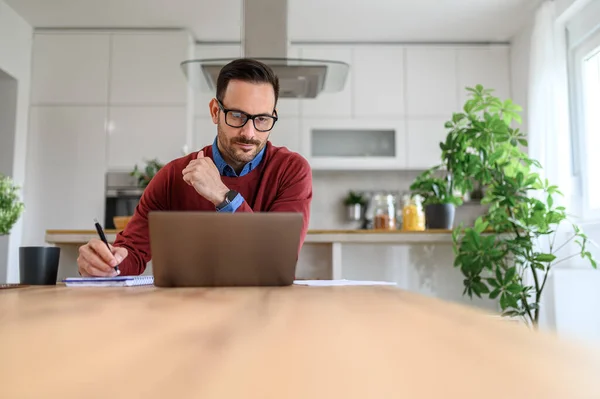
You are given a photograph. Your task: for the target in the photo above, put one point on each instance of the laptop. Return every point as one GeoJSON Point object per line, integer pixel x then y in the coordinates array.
{"type": "Point", "coordinates": [210, 249]}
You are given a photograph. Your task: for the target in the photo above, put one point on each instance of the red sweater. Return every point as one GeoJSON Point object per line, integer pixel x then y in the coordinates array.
{"type": "Point", "coordinates": [282, 182]}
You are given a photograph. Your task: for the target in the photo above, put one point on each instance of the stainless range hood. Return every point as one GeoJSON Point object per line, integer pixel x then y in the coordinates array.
{"type": "Point", "coordinates": [265, 38]}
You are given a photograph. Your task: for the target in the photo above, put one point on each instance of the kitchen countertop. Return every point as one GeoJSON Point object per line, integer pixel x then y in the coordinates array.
{"type": "Point", "coordinates": [314, 236]}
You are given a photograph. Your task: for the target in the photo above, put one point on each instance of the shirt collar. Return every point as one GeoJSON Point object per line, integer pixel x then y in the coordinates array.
{"type": "Point", "coordinates": [226, 170]}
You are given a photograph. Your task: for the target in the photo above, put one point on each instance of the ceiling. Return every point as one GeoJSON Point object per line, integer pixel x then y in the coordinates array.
{"type": "Point", "coordinates": [309, 20]}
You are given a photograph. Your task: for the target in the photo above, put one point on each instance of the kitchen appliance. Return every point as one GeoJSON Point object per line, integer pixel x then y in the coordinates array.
{"type": "Point", "coordinates": [265, 38]}
{"type": "Point", "coordinates": [122, 195]}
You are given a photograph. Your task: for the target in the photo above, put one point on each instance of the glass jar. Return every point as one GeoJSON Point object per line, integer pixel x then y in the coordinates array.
{"type": "Point", "coordinates": [413, 216]}
{"type": "Point", "coordinates": [384, 212]}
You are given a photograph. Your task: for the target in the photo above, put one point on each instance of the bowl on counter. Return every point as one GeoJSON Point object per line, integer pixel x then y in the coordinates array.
{"type": "Point", "coordinates": [121, 221]}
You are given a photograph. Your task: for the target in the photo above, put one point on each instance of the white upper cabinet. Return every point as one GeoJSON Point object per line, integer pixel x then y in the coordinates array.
{"type": "Point", "coordinates": [488, 66]}
{"type": "Point", "coordinates": [138, 134]}
{"type": "Point", "coordinates": [378, 81]}
{"type": "Point", "coordinates": [353, 144]}
{"type": "Point", "coordinates": [70, 68]}
{"type": "Point", "coordinates": [329, 104]}
{"type": "Point", "coordinates": [423, 142]}
{"type": "Point", "coordinates": [205, 132]}
{"type": "Point", "coordinates": [431, 81]}
{"type": "Point", "coordinates": [286, 133]}
{"type": "Point", "coordinates": [65, 168]}
{"type": "Point", "coordinates": [146, 68]}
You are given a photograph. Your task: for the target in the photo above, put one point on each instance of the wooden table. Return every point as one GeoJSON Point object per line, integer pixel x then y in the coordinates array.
{"type": "Point", "coordinates": [293, 342]}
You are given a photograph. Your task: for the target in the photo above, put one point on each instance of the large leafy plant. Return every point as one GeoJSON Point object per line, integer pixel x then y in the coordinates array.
{"type": "Point", "coordinates": [482, 146]}
{"type": "Point", "coordinates": [11, 207]}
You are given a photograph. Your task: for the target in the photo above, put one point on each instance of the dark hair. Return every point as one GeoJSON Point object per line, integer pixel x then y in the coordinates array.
{"type": "Point", "coordinates": [247, 70]}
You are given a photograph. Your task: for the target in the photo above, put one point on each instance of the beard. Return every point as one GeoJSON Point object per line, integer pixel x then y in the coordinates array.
{"type": "Point", "coordinates": [234, 153]}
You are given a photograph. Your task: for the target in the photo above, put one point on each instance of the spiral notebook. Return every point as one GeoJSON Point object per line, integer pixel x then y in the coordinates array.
{"type": "Point", "coordinates": [119, 281]}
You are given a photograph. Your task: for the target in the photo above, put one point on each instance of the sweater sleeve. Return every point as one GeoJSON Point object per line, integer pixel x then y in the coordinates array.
{"type": "Point", "coordinates": [294, 193]}
{"type": "Point", "coordinates": [136, 235]}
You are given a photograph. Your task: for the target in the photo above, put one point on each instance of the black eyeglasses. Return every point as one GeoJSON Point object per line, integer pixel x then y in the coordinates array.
{"type": "Point", "coordinates": [235, 118]}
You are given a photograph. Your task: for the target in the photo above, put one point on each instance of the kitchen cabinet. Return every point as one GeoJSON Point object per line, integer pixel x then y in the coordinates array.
{"type": "Point", "coordinates": [423, 142]}
{"type": "Point", "coordinates": [286, 133]}
{"type": "Point", "coordinates": [346, 144]}
{"type": "Point", "coordinates": [431, 82]}
{"type": "Point", "coordinates": [66, 165]}
{"type": "Point", "coordinates": [70, 69]}
{"type": "Point", "coordinates": [205, 132]}
{"type": "Point", "coordinates": [378, 81]}
{"type": "Point", "coordinates": [145, 68]}
{"type": "Point", "coordinates": [138, 134]}
{"type": "Point", "coordinates": [331, 105]}
{"type": "Point", "coordinates": [488, 66]}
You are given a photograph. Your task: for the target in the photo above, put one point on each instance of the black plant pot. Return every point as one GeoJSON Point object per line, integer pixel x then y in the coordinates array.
{"type": "Point", "coordinates": [439, 216]}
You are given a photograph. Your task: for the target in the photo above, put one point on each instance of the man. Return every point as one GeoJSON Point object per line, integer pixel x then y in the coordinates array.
{"type": "Point", "coordinates": [240, 172]}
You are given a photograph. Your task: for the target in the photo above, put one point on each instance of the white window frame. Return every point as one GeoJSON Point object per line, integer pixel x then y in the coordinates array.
{"type": "Point", "coordinates": [577, 55]}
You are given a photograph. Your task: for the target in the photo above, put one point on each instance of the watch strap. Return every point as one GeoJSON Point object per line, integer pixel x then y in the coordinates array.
{"type": "Point", "coordinates": [229, 197]}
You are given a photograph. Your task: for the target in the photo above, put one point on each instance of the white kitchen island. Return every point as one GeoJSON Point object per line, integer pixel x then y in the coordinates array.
{"type": "Point", "coordinates": [417, 261]}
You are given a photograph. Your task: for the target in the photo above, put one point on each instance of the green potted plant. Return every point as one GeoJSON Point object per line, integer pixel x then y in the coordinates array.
{"type": "Point", "coordinates": [150, 170]}
{"type": "Point", "coordinates": [439, 199]}
{"type": "Point", "coordinates": [511, 264]}
{"type": "Point", "coordinates": [355, 203]}
{"type": "Point", "coordinates": [11, 207]}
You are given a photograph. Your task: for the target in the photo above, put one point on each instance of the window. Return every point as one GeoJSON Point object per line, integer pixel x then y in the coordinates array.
{"type": "Point", "coordinates": [591, 126]}
{"type": "Point", "coordinates": [586, 114]}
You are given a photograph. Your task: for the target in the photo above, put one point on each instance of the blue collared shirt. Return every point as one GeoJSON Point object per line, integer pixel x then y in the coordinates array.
{"type": "Point", "coordinates": [226, 170]}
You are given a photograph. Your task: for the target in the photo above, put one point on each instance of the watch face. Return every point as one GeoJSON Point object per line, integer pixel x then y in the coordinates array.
{"type": "Point", "coordinates": [231, 195]}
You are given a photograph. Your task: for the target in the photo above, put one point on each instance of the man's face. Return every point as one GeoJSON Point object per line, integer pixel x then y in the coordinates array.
{"type": "Point", "coordinates": [239, 145]}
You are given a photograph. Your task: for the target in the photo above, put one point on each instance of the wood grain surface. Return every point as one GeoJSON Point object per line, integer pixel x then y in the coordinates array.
{"type": "Point", "coordinates": [291, 342]}
{"type": "Point", "coordinates": [314, 231]}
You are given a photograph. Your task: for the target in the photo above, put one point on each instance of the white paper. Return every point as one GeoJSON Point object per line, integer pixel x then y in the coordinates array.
{"type": "Point", "coordinates": [333, 283]}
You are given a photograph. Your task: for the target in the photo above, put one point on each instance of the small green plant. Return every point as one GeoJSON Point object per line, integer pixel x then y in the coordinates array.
{"type": "Point", "coordinates": [11, 207]}
{"type": "Point", "coordinates": [435, 189]}
{"type": "Point", "coordinates": [150, 170]}
{"type": "Point", "coordinates": [512, 265]}
{"type": "Point", "coordinates": [354, 198]}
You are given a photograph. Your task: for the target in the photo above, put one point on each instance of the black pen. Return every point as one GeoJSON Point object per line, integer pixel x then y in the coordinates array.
{"type": "Point", "coordinates": [103, 238]}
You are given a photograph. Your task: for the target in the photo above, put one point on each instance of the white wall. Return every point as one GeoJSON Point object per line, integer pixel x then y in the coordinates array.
{"type": "Point", "coordinates": [15, 59]}
{"type": "Point", "coordinates": [519, 69]}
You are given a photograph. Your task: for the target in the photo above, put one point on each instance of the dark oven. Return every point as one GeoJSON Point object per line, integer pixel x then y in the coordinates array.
{"type": "Point", "coordinates": [122, 196]}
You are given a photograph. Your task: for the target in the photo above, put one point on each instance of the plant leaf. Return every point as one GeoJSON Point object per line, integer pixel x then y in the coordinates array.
{"type": "Point", "coordinates": [495, 293]}
{"type": "Point", "coordinates": [514, 288]}
{"type": "Point", "coordinates": [499, 276]}
{"type": "Point", "coordinates": [510, 275]}
{"type": "Point", "coordinates": [503, 301]}
{"type": "Point", "coordinates": [545, 257]}
{"type": "Point", "coordinates": [492, 282]}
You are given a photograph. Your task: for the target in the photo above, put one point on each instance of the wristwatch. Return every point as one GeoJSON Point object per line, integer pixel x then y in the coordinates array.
{"type": "Point", "coordinates": [231, 194]}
